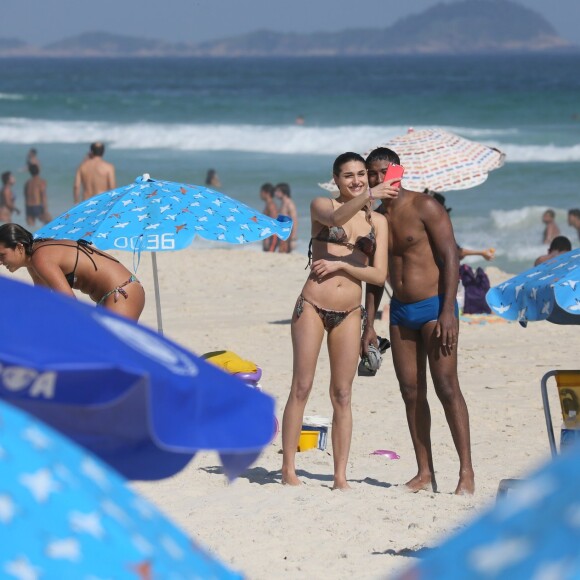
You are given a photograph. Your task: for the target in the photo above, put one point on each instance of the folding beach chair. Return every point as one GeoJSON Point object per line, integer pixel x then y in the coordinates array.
{"type": "Point", "coordinates": [568, 384]}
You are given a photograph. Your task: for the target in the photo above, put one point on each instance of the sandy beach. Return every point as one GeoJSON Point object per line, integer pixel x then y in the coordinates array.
{"type": "Point", "coordinates": [241, 300]}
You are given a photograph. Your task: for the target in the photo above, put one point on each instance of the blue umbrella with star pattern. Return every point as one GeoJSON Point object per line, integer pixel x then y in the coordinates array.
{"type": "Point", "coordinates": [65, 514]}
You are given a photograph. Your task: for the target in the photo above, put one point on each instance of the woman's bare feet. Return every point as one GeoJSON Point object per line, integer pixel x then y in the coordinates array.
{"type": "Point", "coordinates": [422, 482]}
{"type": "Point", "coordinates": [290, 478]}
{"type": "Point", "coordinates": [341, 485]}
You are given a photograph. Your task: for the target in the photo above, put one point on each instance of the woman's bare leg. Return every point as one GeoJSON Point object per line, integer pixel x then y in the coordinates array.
{"type": "Point", "coordinates": [307, 334]}
{"type": "Point", "coordinates": [343, 350]}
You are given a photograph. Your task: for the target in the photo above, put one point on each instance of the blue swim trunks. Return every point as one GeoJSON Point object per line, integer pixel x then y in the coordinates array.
{"type": "Point", "coordinates": [416, 314]}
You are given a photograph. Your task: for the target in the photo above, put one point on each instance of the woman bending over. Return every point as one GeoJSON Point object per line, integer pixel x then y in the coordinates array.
{"type": "Point", "coordinates": [348, 247]}
{"type": "Point", "coordinates": [64, 265]}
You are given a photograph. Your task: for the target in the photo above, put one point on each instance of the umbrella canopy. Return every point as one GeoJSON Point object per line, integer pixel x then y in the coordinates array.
{"type": "Point", "coordinates": [532, 532]}
{"type": "Point", "coordinates": [65, 514]}
{"type": "Point", "coordinates": [550, 291]}
{"type": "Point", "coordinates": [440, 160]}
{"type": "Point", "coordinates": [140, 402]}
{"type": "Point", "coordinates": [159, 216]}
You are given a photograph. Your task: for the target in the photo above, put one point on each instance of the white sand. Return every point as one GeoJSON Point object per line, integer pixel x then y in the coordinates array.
{"type": "Point", "coordinates": [242, 300]}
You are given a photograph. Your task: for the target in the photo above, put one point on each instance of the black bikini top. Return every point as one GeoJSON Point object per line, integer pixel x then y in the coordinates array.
{"type": "Point", "coordinates": [82, 246]}
{"type": "Point", "coordinates": [336, 235]}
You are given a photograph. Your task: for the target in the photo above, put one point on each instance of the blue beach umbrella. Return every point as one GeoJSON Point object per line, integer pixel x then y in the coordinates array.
{"type": "Point", "coordinates": [158, 216]}
{"type": "Point", "coordinates": [65, 514]}
{"type": "Point", "coordinates": [550, 291]}
{"type": "Point", "coordinates": [531, 532]}
{"type": "Point", "coordinates": [140, 402]}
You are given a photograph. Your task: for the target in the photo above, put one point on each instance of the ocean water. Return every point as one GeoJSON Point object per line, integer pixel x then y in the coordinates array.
{"type": "Point", "coordinates": [175, 118]}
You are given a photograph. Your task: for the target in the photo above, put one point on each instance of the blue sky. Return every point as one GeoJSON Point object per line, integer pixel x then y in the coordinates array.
{"type": "Point", "coordinates": [199, 20]}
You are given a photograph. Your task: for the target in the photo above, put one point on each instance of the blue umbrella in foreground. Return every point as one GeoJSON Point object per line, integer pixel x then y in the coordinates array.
{"type": "Point", "coordinates": [532, 532]}
{"type": "Point", "coordinates": [158, 216]}
{"type": "Point", "coordinates": [550, 291]}
{"type": "Point", "coordinates": [140, 402]}
{"type": "Point", "coordinates": [65, 514]}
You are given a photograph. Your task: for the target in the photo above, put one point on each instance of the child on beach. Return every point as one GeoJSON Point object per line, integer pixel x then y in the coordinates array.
{"type": "Point", "coordinates": [348, 247]}
{"type": "Point", "coordinates": [64, 265]}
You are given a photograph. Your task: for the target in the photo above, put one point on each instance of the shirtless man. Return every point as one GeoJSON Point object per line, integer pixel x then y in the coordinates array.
{"type": "Point", "coordinates": [35, 197]}
{"type": "Point", "coordinates": [271, 210]}
{"type": "Point", "coordinates": [287, 207]}
{"type": "Point", "coordinates": [94, 175]}
{"type": "Point", "coordinates": [424, 326]}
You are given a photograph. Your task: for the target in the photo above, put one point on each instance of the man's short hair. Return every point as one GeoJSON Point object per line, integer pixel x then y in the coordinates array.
{"type": "Point", "coordinates": [98, 148]}
{"type": "Point", "coordinates": [550, 212]}
{"type": "Point", "coordinates": [382, 154]}
{"type": "Point", "coordinates": [33, 169]}
{"type": "Point", "coordinates": [6, 177]}
{"type": "Point", "coordinates": [560, 244]}
{"type": "Point", "coordinates": [574, 213]}
{"type": "Point", "coordinates": [284, 188]}
{"type": "Point", "coordinates": [267, 188]}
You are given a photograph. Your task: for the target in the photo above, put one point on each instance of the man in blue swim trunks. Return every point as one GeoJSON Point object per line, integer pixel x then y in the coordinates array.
{"type": "Point", "coordinates": [424, 325]}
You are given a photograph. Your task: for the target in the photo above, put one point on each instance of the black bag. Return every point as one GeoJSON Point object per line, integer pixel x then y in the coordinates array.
{"type": "Point", "coordinates": [476, 285]}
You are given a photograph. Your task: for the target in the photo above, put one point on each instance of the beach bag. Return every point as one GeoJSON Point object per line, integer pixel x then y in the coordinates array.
{"type": "Point", "coordinates": [475, 284]}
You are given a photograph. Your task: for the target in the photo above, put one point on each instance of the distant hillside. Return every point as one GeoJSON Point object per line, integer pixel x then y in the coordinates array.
{"type": "Point", "coordinates": [467, 27]}
{"type": "Point", "coordinates": [106, 44]}
{"type": "Point", "coordinates": [460, 27]}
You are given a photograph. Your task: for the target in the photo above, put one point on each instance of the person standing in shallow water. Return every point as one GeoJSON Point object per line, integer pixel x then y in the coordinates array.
{"type": "Point", "coordinates": [424, 325]}
{"type": "Point", "coordinates": [348, 247]}
{"type": "Point", "coordinates": [64, 265]}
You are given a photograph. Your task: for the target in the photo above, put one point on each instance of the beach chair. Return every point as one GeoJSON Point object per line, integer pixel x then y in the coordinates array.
{"type": "Point", "coordinates": [568, 384]}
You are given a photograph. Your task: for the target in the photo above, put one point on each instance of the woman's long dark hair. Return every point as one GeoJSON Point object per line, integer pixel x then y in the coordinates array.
{"type": "Point", "coordinates": [12, 234]}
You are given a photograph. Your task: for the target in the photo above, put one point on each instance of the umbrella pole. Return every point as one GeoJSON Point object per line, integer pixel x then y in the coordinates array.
{"type": "Point", "coordinates": [156, 286]}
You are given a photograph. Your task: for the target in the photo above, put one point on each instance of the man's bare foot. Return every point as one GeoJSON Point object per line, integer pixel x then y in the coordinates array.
{"type": "Point", "coordinates": [341, 485]}
{"type": "Point", "coordinates": [290, 478]}
{"type": "Point", "coordinates": [422, 482]}
{"type": "Point", "coordinates": [466, 485]}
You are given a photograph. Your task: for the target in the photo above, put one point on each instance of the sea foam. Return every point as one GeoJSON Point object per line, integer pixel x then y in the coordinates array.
{"type": "Point", "coordinates": [276, 139]}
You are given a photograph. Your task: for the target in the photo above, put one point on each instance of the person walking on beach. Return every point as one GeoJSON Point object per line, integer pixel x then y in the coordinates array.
{"type": "Point", "coordinates": [94, 175]}
{"type": "Point", "coordinates": [64, 265]}
{"type": "Point", "coordinates": [424, 325]}
{"type": "Point", "coordinates": [35, 197]}
{"type": "Point", "coordinates": [271, 210]}
{"type": "Point", "coordinates": [7, 206]}
{"type": "Point", "coordinates": [551, 229]}
{"type": "Point", "coordinates": [288, 208]}
{"type": "Point", "coordinates": [348, 247]}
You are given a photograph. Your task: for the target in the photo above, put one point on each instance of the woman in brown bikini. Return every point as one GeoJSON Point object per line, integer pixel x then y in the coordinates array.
{"type": "Point", "coordinates": [348, 247]}
{"type": "Point", "coordinates": [64, 265]}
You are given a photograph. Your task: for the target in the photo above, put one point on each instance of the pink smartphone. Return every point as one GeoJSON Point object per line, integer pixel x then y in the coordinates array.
{"type": "Point", "coordinates": [394, 171]}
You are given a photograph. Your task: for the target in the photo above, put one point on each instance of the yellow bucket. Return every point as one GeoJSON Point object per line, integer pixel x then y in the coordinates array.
{"type": "Point", "coordinates": [308, 440]}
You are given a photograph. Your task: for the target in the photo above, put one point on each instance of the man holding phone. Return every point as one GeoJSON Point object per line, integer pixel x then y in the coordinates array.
{"type": "Point", "coordinates": [424, 326]}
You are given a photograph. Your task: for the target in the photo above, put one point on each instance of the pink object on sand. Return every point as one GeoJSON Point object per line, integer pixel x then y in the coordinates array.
{"type": "Point", "coordinates": [388, 454]}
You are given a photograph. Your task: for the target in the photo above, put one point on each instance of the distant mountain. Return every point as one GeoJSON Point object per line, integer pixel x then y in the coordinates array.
{"type": "Point", "coordinates": [106, 44]}
{"type": "Point", "coordinates": [467, 27]}
{"type": "Point", "coordinates": [460, 27]}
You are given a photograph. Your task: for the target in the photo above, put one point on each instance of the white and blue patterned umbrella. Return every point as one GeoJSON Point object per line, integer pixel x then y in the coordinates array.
{"type": "Point", "coordinates": [550, 291]}
{"type": "Point", "coordinates": [157, 216]}
{"type": "Point", "coordinates": [65, 514]}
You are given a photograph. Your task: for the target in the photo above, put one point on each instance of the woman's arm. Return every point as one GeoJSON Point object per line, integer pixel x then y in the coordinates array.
{"type": "Point", "coordinates": [375, 273]}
